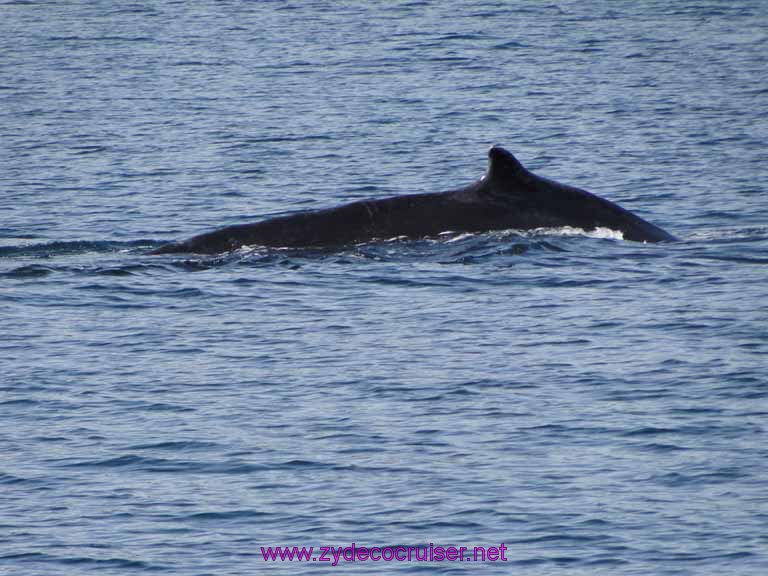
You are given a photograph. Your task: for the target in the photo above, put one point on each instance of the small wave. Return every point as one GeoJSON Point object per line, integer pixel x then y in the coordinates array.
{"type": "Point", "coordinates": [301, 464]}
{"type": "Point", "coordinates": [510, 45]}
{"type": "Point", "coordinates": [458, 238]}
{"type": "Point", "coordinates": [19, 402]}
{"type": "Point", "coordinates": [230, 515]}
{"type": "Point", "coordinates": [98, 563]}
{"type": "Point", "coordinates": [168, 465]}
{"type": "Point", "coordinates": [650, 431]}
{"type": "Point", "coordinates": [31, 271]}
{"type": "Point", "coordinates": [10, 479]}
{"type": "Point", "coordinates": [67, 248]}
{"type": "Point", "coordinates": [180, 446]}
{"type": "Point", "coordinates": [659, 447]}
{"type": "Point", "coordinates": [119, 462]}
{"type": "Point", "coordinates": [729, 235]}
{"type": "Point", "coordinates": [600, 233]}
{"type": "Point", "coordinates": [721, 476]}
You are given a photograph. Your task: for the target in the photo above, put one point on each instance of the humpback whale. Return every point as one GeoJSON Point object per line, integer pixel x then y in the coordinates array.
{"type": "Point", "coordinates": [508, 196]}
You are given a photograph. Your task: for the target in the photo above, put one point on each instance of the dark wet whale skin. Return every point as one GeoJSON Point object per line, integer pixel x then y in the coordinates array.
{"type": "Point", "coordinates": [507, 197]}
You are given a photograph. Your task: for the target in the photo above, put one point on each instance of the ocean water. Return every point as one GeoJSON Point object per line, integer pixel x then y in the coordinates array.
{"type": "Point", "coordinates": [596, 406]}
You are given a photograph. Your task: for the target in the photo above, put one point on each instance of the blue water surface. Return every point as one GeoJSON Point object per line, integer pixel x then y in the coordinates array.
{"type": "Point", "coordinates": [597, 406]}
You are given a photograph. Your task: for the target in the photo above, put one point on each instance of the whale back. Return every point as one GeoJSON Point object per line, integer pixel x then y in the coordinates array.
{"type": "Point", "coordinates": [537, 202]}
{"type": "Point", "coordinates": [508, 197]}
{"type": "Point", "coordinates": [503, 166]}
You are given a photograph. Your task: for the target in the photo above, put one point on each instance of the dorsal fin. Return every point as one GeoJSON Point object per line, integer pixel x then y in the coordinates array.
{"type": "Point", "coordinates": [503, 166]}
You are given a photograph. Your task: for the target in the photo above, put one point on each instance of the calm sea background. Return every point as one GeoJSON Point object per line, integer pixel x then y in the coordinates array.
{"type": "Point", "coordinates": [598, 406]}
